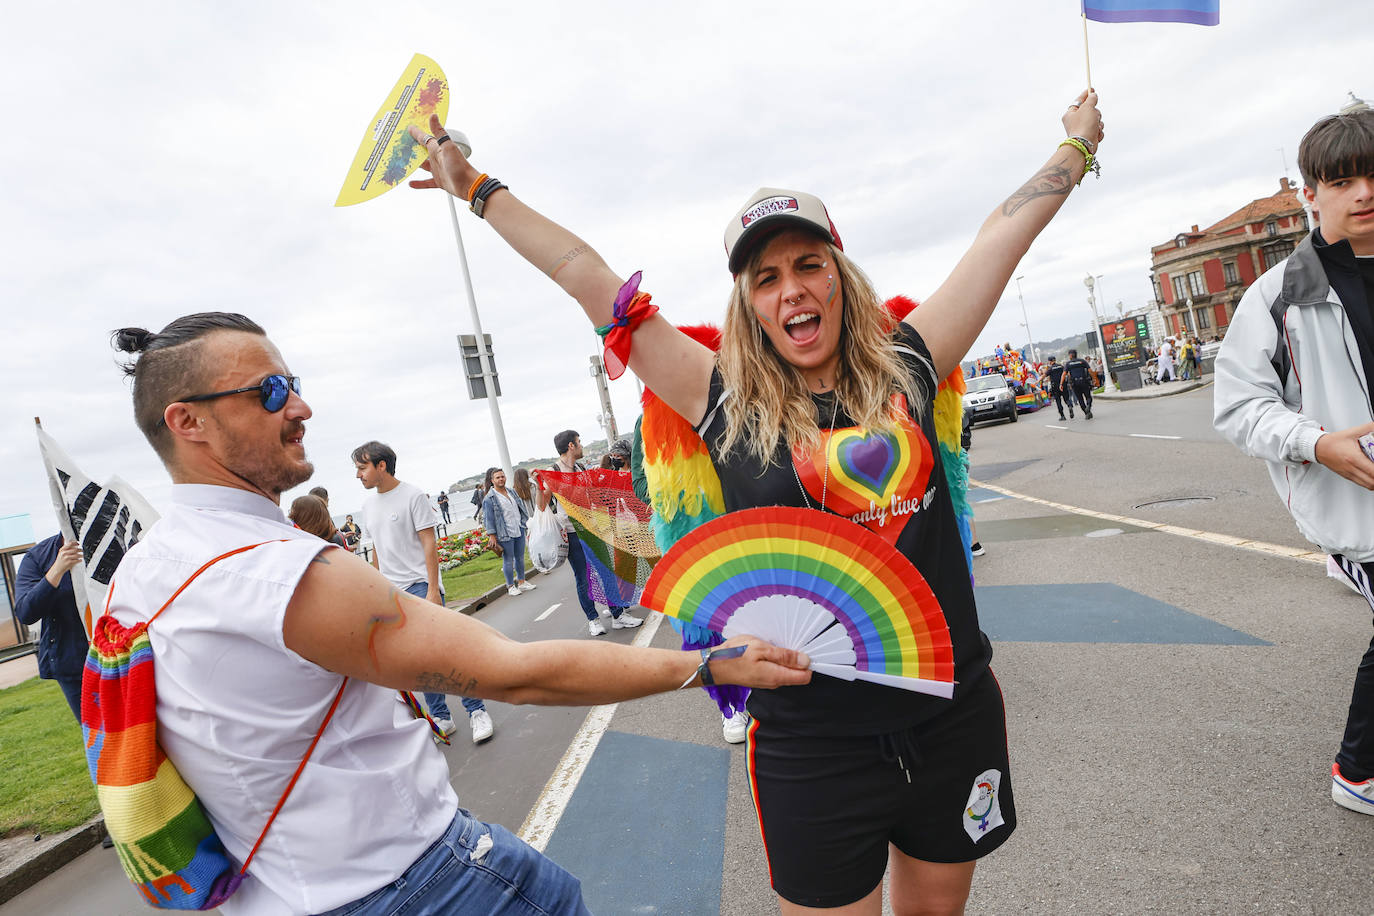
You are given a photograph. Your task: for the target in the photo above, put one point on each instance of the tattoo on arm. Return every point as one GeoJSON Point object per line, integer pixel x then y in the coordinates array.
{"type": "Point", "coordinates": [321, 558]}
{"type": "Point", "coordinates": [568, 259]}
{"type": "Point", "coordinates": [1052, 180]}
{"type": "Point", "coordinates": [452, 682]}
{"type": "Point", "coordinates": [379, 620]}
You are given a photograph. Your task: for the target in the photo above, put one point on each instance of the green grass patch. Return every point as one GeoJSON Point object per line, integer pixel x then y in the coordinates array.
{"type": "Point", "coordinates": [476, 577]}
{"type": "Point", "coordinates": [44, 784]}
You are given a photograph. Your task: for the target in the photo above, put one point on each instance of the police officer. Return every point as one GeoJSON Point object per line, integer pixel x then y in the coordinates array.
{"type": "Point", "coordinates": [1080, 379]}
{"type": "Point", "coordinates": [1061, 394]}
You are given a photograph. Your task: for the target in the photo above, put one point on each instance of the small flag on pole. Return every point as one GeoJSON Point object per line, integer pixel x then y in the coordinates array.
{"type": "Point", "coordinates": [105, 520]}
{"type": "Point", "coordinates": [1195, 12]}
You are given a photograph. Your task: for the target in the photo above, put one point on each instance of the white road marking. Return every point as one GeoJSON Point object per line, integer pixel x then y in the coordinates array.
{"type": "Point", "coordinates": [552, 608]}
{"type": "Point", "coordinates": [1052, 426]}
{"type": "Point", "coordinates": [548, 810]}
{"type": "Point", "coordinates": [1148, 436]}
{"type": "Point", "coordinates": [1226, 540]}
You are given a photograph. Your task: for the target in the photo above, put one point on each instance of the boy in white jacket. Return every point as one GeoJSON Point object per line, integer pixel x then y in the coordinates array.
{"type": "Point", "coordinates": [1293, 384]}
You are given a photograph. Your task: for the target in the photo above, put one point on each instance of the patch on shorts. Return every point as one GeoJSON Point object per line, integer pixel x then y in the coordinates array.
{"type": "Point", "coordinates": [984, 810]}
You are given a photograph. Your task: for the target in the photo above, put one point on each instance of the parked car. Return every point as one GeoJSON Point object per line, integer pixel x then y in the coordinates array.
{"type": "Point", "coordinates": [990, 397]}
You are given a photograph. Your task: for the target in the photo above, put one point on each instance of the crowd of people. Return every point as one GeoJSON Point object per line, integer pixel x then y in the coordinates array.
{"type": "Point", "coordinates": [807, 354]}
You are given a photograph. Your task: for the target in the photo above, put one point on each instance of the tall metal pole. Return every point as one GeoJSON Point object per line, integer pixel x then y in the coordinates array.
{"type": "Point", "coordinates": [1035, 357]}
{"type": "Point", "coordinates": [488, 375]}
{"type": "Point", "coordinates": [1097, 330]}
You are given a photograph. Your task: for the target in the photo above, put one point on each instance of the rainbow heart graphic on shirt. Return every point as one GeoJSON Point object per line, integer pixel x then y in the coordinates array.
{"type": "Point", "coordinates": [875, 479]}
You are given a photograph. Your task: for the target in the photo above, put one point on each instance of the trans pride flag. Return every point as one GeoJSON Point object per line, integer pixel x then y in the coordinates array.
{"type": "Point", "coordinates": [1196, 12]}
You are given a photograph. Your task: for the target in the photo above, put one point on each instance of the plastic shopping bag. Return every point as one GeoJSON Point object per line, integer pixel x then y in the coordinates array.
{"type": "Point", "coordinates": [548, 544]}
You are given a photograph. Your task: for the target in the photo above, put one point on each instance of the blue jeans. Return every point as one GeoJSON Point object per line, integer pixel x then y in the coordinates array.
{"type": "Point", "coordinates": [71, 689]}
{"type": "Point", "coordinates": [513, 559]}
{"type": "Point", "coordinates": [437, 702]}
{"type": "Point", "coordinates": [577, 559]}
{"type": "Point", "coordinates": [510, 878]}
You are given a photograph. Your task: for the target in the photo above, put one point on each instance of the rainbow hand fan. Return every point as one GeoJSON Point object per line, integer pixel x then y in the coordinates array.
{"type": "Point", "coordinates": [809, 580]}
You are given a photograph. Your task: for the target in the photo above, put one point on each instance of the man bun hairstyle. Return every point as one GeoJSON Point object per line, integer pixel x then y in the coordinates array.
{"type": "Point", "coordinates": [168, 365]}
{"type": "Point", "coordinates": [374, 453]}
{"type": "Point", "coordinates": [1338, 146]}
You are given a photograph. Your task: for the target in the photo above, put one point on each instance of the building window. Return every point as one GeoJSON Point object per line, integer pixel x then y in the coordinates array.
{"type": "Point", "coordinates": [1203, 321]}
{"type": "Point", "coordinates": [1180, 291]}
{"type": "Point", "coordinates": [1181, 242]}
{"type": "Point", "coordinates": [1159, 294]}
{"type": "Point", "coordinates": [1229, 272]}
{"type": "Point", "coordinates": [1197, 286]}
{"type": "Point", "coordinates": [1275, 253]}
{"type": "Point", "coordinates": [1271, 228]}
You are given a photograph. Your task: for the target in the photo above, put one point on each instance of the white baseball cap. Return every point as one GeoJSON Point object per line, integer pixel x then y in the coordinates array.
{"type": "Point", "coordinates": [771, 209]}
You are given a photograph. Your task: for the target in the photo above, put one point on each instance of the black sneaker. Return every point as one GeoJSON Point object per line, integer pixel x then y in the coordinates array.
{"type": "Point", "coordinates": [978, 550]}
{"type": "Point", "coordinates": [1088, 414]}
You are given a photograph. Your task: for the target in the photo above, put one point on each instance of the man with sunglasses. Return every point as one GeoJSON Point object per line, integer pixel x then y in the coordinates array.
{"type": "Point", "coordinates": [252, 653]}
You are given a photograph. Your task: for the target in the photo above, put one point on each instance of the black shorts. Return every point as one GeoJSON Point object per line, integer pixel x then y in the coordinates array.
{"type": "Point", "coordinates": [828, 806]}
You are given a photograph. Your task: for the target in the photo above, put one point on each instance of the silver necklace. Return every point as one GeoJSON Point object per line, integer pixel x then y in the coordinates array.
{"type": "Point", "coordinates": [825, 470]}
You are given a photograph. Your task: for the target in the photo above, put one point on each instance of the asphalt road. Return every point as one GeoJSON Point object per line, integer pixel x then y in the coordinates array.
{"type": "Point", "coordinates": [1156, 771]}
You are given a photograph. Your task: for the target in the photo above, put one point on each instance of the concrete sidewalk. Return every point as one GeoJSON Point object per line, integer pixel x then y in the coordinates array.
{"type": "Point", "coordinates": [1162, 390]}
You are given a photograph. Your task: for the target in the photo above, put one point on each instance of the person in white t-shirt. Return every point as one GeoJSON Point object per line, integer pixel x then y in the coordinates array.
{"type": "Point", "coordinates": [405, 550]}
{"type": "Point", "coordinates": [251, 655]}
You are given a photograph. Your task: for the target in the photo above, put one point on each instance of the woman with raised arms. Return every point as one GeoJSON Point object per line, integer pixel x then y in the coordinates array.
{"type": "Point", "coordinates": [850, 779]}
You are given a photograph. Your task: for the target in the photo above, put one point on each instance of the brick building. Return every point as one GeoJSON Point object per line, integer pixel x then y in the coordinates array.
{"type": "Point", "coordinates": [1200, 275]}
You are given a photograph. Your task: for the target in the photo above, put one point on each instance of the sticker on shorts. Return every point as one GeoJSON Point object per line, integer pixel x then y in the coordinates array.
{"type": "Point", "coordinates": [984, 810]}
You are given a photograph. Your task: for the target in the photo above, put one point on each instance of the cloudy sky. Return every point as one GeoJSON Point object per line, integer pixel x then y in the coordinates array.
{"type": "Point", "coordinates": [166, 158]}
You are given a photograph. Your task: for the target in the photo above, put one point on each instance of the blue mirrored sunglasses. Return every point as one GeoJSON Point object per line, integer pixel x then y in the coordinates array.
{"type": "Point", "coordinates": [274, 391]}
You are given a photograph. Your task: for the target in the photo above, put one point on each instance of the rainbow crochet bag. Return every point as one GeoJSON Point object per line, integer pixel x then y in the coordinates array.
{"type": "Point", "coordinates": [169, 850]}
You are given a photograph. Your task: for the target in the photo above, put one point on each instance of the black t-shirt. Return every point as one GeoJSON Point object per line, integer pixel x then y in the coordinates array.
{"type": "Point", "coordinates": [1056, 374]}
{"type": "Point", "coordinates": [928, 536]}
{"type": "Point", "coordinates": [1352, 278]}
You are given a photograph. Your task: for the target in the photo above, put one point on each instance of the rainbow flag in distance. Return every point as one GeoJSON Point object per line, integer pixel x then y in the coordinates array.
{"type": "Point", "coordinates": [1196, 12]}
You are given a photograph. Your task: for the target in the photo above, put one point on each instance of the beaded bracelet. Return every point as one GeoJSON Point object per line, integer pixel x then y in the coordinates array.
{"type": "Point", "coordinates": [1089, 161]}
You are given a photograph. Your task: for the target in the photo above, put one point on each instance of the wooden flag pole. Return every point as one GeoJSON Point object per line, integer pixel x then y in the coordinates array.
{"type": "Point", "coordinates": [1087, 61]}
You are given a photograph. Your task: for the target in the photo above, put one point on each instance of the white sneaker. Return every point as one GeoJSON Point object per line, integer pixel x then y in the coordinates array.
{"type": "Point", "coordinates": [595, 628]}
{"type": "Point", "coordinates": [527, 586]}
{"type": "Point", "coordinates": [603, 611]}
{"type": "Point", "coordinates": [482, 726]}
{"type": "Point", "coordinates": [735, 728]}
{"type": "Point", "coordinates": [513, 591]}
{"type": "Point", "coordinates": [446, 726]}
{"type": "Point", "coordinates": [1357, 796]}
{"type": "Point", "coordinates": [977, 549]}
{"type": "Point", "coordinates": [626, 621]}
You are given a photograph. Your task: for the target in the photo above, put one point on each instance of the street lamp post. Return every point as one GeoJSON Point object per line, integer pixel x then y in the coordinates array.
{"type": "Point", "coordinates": [488, 373]}
{"type": "Point", "coordinates": [1034, 354]}
{"type": "Point", "coordinates": [1097, 327]}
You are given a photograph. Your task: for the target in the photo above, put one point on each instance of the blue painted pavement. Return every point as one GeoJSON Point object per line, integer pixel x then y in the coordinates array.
{"type": "Point", "coordinates": [1095, 612]}
{"type": "Point", "coordinates": [645, 828]}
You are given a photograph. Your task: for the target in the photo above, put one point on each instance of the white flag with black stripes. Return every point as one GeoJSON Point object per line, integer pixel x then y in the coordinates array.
{"type": "Point", "coordinates": [106, 520]}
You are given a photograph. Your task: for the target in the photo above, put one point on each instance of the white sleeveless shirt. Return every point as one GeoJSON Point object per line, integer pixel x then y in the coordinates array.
{"type": "Point", "coordinates": [236, 710]}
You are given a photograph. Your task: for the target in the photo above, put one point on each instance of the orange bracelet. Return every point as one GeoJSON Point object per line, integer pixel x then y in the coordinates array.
{"type": "Point", "coordinates": [476, 184]}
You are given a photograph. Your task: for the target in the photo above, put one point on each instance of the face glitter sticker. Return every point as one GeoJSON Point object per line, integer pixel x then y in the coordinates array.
{"type": "Point", "coordinates": [875, 479]}
{"type": "Point", "coordinates": [983, 813]}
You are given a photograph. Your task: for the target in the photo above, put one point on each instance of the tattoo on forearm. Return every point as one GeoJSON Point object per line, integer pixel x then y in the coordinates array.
{"type": "Point", "coordinates": [453, 682]}
{"type": "Point", "coordinates": [1052, 180]}
{"type": "Point", "coordinates": [568, 259]}
{"type": "Point", "coordinates": [381, 620]}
